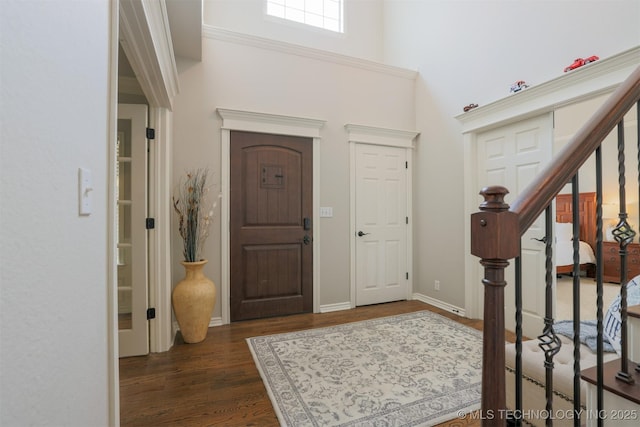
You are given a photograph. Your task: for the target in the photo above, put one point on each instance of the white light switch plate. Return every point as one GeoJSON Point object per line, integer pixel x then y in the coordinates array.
{"type": "Point", "coordinates": [326, 212]}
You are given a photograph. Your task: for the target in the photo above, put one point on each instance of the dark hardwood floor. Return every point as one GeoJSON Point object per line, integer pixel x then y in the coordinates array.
{"type": "Point", "coordinates": [216, 383]}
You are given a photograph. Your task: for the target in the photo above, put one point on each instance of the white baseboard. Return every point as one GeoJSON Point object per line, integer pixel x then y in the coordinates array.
{"type": "Point", "coordinates": [328, 308]}
{"type": "Point", "coordinates": [215, 321]}
{"type": "Point", "coordinates": [420, 297]}
{"type": "Point", "coordinates": [440, 304]}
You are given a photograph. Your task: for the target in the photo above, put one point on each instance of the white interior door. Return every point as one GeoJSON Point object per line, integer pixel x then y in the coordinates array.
{"type": "Point", "coordinates": [512, 156]}
{"type": "Point", "coordinates": [131, 194]}
{"type": "Point", "coordinates": [381, 224]}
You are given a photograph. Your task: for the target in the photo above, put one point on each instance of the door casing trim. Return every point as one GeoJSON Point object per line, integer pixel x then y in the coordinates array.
{"type": "Point", "coordinates": [358, 134]}
{"type": "Point", "coordinates": [161, 334]}
{"type": "Point", "coordinates": [272, 124]}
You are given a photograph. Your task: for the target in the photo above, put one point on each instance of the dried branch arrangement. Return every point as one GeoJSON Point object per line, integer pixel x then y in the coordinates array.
{"type": "Point", "coordinates": [195, 212]}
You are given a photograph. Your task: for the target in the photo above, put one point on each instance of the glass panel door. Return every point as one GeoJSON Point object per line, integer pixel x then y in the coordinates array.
{"type": "Point", "coordinates": [123, 223]}
{"type": "Point", "coordinates": [131, 197]}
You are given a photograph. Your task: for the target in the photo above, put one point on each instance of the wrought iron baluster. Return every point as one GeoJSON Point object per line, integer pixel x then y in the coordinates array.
{"type": "Point", "coordinates": [624, 234]}
{"type": "Point", "coordinates": [599, 292]}
{"type": "Point", "coordinates": [517, 421]}
{"type": "Point", "coordinates": [575, 212]}
{"type": "Point", "coordinates": [549, 341]}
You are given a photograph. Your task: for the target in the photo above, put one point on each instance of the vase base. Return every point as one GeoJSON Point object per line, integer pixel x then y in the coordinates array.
{"type": "Point", "coordinates": [190, 340]}
{"type": "Point", "coordinates": [193, 301]}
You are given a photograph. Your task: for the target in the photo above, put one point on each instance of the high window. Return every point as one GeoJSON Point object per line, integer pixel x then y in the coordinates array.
{"type": "Point", "coordinates": [325, 14]}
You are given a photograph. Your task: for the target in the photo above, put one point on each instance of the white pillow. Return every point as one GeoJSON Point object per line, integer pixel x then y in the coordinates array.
{"type": "Point", "coordinates": [564, 231]}
{"type": "Point", "coordinates": [612, 320]}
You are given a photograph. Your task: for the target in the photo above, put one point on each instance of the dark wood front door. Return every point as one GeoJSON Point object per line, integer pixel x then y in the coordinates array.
{"type": "Point", "coordinates": [271, 231]}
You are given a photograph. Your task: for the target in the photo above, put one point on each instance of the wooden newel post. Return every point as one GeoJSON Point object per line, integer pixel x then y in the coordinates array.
{"type": "Point", "coordinates": [495, 238]}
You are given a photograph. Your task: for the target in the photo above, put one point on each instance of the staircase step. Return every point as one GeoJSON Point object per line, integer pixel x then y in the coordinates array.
{"type": "Point", "coordinates": [630, 392]}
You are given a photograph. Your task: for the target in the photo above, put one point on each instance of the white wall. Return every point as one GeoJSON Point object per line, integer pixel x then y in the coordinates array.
{"type": "Point", "coordinates": [54, 107]}
{"type": "Point", "coordinates": [242, 77]}
{"type": "Point", "coordinates": [472, 51]}
{"type": "Point", "coordinates": [465, 51]}
{"type": "Point", "coordinates": [362, 37]}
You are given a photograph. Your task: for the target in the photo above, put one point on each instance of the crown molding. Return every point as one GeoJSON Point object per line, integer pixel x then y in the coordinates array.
{"type": "Point", "coordinates": [146, 40]}
{"type": "Point", "coordinates": [381, 136]}
{"type": "Point", "coordinates": [583, 83]}
{"type": "Point", "coordinates": [216, 33]}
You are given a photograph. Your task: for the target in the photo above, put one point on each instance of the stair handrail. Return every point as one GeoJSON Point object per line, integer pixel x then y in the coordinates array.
{"type": "Point", "coordinates": [497, 228]}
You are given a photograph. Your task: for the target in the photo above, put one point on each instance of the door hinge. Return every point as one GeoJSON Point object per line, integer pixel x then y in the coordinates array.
{"type": "Point", "coordinates": [151, 313]}
{"type": "Point", "coordinates": [406, 165]}
{"type": "Point", "coordinates": [407, 275]}
{"type": "Point", "coordinates": [151, 133]}
{"type": "Point", "coordinates": [150, 223]}
{"type": "Point", "coordinates": [407, 220]}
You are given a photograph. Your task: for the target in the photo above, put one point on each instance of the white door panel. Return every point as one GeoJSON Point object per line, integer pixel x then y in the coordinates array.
{"type": "Point", "coordinates": [131, 184]}
{"type": "Point", "coordinates": [381, 216]}
{"type": "Point", "coordinates": [512, 156]}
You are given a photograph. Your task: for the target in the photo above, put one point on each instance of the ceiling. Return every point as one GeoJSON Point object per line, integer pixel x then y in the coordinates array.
{"type": "Point", "coordinates": [185, 24]}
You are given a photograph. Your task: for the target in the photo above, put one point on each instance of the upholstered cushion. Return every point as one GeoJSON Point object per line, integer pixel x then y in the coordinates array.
{"type": "Point", "coordinates": [533, 389]}
{"type": "Point", "coordinates": [612, 320]}
{"type": "Point", "coordinates": [533, 364]}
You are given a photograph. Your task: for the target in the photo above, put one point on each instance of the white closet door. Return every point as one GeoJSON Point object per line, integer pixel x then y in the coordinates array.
{"type": "Point", "coordinates": [381, 224]}
{"type": "Point", "coordinates": [512, 156]}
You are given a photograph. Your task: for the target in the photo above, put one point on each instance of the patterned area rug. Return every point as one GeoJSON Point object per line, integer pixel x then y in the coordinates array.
{"type": "Point", "coordinates": [416, 369]}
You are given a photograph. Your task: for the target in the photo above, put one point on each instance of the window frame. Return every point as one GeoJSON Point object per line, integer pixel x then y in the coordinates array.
{"type": "Point", "coordinates": [303, 22]}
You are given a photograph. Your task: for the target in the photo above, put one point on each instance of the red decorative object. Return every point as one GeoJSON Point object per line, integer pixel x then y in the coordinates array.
{"type": "Point", "coordinates": [579, 62]}
{"type": "Point", "coordinates": [469, 107]}
{"type": "Point", "coordinates": [518, 86]}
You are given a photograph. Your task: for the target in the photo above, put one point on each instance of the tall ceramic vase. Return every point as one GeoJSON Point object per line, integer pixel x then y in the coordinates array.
{"type": "Point", "coordinates": [193, 300]}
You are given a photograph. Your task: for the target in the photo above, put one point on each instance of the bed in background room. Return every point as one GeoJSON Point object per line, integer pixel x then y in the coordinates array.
{"type": "Point", "coordinates": [564, 233]}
